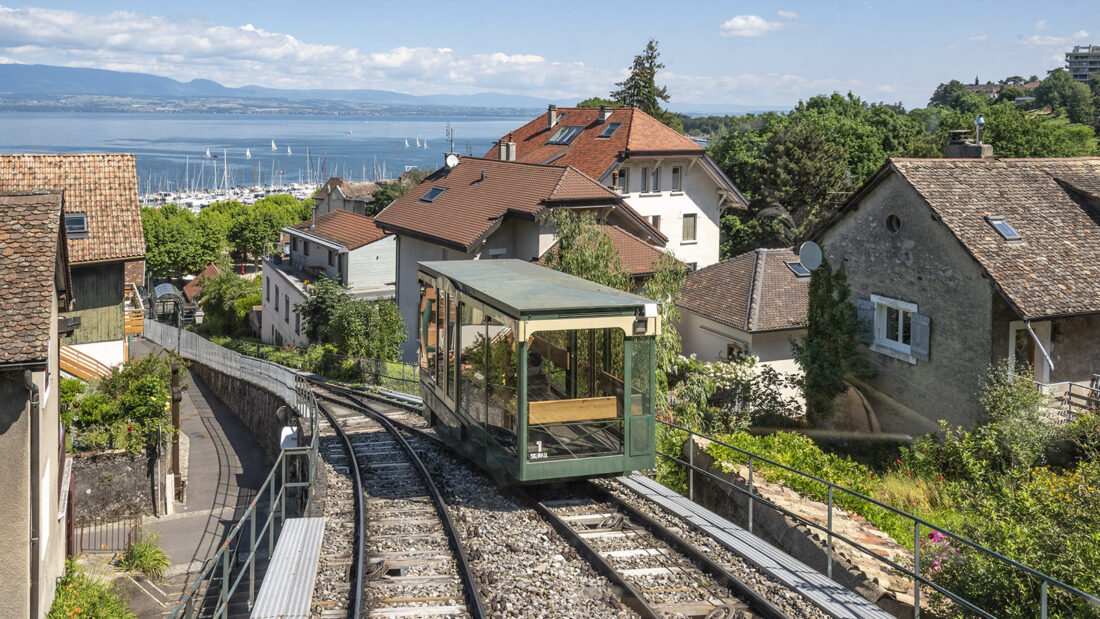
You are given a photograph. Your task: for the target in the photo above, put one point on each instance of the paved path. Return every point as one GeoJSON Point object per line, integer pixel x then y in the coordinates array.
{"type": "Point", "coordinates": [226, 465]}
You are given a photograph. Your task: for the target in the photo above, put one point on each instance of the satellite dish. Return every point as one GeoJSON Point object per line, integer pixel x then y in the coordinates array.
{"type": "Point", "coordinates": [451, 161]}
{"type": "Point", "coordinates": [810, 255]}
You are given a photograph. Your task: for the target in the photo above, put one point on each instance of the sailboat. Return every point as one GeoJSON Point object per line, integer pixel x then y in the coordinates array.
{"type": "Point", "coordinates": [247, 154]}
{"type": "Point", "coordinates": [207, 153]}
{"type": "Point", "coordinates": [418, 142]}
{"type": "Point", "coordinates": [273, 149]}
{"type": "Point", "coordinates": [406, 142]}
{"type": "Point", "coordinates": [425, 144]}
{"type": "Point", "coordinates": [288, 149]}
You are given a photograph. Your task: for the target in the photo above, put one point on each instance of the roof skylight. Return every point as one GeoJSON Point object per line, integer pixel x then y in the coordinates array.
{"type": "Point", "coordinates": [432, 194]}
{"type": "Point", "coordinates": [565, 135]}
{"type": "Point", "coordinates": [610, 130]}
{"type": "Point", "coordinates": [798, 269]}
{"type": "Point", "coordinates": [1004, 228]}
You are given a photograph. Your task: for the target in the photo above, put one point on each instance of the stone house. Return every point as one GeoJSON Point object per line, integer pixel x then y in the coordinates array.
{"type": "Point", "coordinates": [664, 176]}
{"type": "Point", "coordinates": [753, 304]}
{"type": "Point", "coordinates": [339, 245]}
{"type": "Point", "coordinates": [339, 195]}
{"type": "Point", "coordinates": [34, 473]}
{"type": "Point", "coordinates": [959, 263]}
{"type": "Point", "coordinates": [106, 242]}
{"type": "Point", "coordinates": [490, 208]}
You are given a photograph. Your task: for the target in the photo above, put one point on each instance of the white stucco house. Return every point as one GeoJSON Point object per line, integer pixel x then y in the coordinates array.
{"type": "Point", "coordinates": [339, 245]}
{"type": "Point", "coordinates": [665, 177]}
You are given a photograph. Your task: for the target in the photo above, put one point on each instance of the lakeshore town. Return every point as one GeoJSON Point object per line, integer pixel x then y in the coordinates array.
{"type": "Point", "coordinates": [840, 361]}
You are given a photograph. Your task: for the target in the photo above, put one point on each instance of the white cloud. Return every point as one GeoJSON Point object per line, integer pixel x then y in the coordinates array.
{"type": "Point", "coordinates": [1041, 24]}
{"type": "Point", "coordinates": [1044, 40]}
{"type": "Point", "coordinates": [980, 37]}
{"type": "Point", "coordinates": [787, 14]}
{"type": "Point", "coordinates": [747, 26]}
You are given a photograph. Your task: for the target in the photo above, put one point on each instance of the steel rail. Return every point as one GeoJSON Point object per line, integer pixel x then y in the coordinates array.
{"type": "Point", "coordinates": [357, 483]}
{"type": "Point", "coordinates": [474, 602]}
{"type": "Point", "coordinates": [756, 602]}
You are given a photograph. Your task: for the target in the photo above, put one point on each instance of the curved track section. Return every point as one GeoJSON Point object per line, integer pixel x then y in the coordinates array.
{"type": "Point", "coordinates": [414, 562]}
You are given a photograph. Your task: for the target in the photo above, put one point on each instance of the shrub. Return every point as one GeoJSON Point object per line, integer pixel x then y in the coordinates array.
{"type": "Point", "coordinates": [80, 595]}
{"type": "Point", "coordinates": [146, 556]}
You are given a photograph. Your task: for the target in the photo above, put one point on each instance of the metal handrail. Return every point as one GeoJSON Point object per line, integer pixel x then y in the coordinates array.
{"type": "Point", "coordinates": [831, 488]}
{"type": "Point", "coordinates": [409, 377]}
{"type": "Point", "coordinates": [219, 567]}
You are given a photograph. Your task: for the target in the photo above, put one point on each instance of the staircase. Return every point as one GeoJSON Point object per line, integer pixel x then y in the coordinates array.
{"type": "Point", "coordinates": [81, 365]}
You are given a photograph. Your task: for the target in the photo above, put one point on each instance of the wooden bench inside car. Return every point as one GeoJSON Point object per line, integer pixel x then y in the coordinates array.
{"type": "Point", "coordinates": [579, 409]}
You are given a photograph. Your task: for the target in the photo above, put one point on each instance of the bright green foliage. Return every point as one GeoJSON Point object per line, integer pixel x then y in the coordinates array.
{"type": "Point", "coordinates": [584, 250]}
{"type": "Point", "coordinates": [83, 597]}
{"type": "Point", "coordinates": [323, 297]}
{"type": "Point", "coordinates": [744, 231]}
{"type": "Point", "coordinates": [226, 300]}
{"type": "Point", "coordinates": [729, 394]}
{"type": "Point", "coordinates": [1066, 95]}
{"type": "Point", "coordinates": [146, 556]}
{"type": "Point", "coordinates": [640, 88]}
{"type": "Point", "coordinates": [371, 329]}
{"type": "Point", "coordinates": [828, 353]}
{"type": "Point", "coordinates": [173, 241]}
{"type": "Point", "coordinates": [664, 288]}
{"type": "Point", "coordinates": [70, 390]}
{"type": "Point", "coordinates": [805, 172]}
{"type": "Point", "coordinates": [126, 409]}
{"type": "Point", "coordinates": [597, 102]}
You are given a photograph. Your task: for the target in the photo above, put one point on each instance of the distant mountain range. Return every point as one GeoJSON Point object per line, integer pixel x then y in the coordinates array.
{"type": "Point", "coordinates": [38, 80]}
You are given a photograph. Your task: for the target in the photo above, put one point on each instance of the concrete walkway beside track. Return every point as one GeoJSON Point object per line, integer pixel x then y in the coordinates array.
{"type": "Point", "coordinates": [225, 467]}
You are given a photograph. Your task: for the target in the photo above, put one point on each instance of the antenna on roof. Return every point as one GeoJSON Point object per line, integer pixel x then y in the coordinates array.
{"type": "Point", "coordinates": [450, 136]}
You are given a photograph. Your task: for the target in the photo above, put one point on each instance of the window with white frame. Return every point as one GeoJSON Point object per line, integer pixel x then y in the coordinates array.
{"type": "Point", "coordinates": [677, 183]}
{"type": "Point", "coordinates": [689, 228]}
{"type": "Point", "coordinates": [645, 180]}
{"type": "Point", "coordinates": [656, 180]}
{"type": "Point", "coordinates": [624, 180]}
{"type": "Point", "coordinates": [897, 329]}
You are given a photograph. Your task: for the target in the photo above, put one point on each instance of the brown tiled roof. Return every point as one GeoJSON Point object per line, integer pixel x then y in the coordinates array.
{"type": "Point", "coordinates": [194, 287]}
{"type": "Point", "coordinates": [359, 191]}
{"type": "Point", "coordinates": [30, 230]}
{"type": "Point", "coordinates": [639, 133]}
{"type": "Point", "coordinates": [636, 256]}
{"type": "Point", "coordinates": [755, 291]}
{"type": "Point", "coordinates": [343, 228]}
{"type": "Point", "coordinates": [332, 183]}
{"type": "Point", "coordinates": [1055, 268]}
{"type": "Point", "coordinates": [103, 186]}
{"type": "Point", "coordinates": [472, 206]}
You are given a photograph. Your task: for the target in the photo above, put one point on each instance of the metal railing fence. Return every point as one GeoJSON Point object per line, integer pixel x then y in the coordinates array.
{"type": "Point", "coordinates": [92, 536]}
{"type": "Point", "coordinates": [209, 595]}
{"type": "Point", "coordinates": [913, 571]}
{"type": "Point", "coordinates": [274, 377]}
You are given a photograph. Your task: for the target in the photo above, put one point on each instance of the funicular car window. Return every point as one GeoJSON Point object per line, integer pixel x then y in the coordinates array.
{"type": "Point", "coordinates": [428, 339]}
{"type": "Point", "coordinates": [575, 393]}
{"type": "Point", "coordinates": [471, 369]}
{"type": "Point", "coordinates": [501, 381]}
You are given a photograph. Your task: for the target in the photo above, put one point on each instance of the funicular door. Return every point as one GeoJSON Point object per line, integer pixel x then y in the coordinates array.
{"type": "Point", "coordinates": [642, 392]}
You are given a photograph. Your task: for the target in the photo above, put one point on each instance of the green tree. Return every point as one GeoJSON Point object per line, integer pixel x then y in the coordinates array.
{"type": "Point", "coordinates": [1067, 96]}
{"type": "Point", "coordinates": [584, 249]}
{"type": "Point", "coordinates": [1014, 80]}
{"type": "Point", "coordinates": [371, 329]}
{"type": "Point", "coordinates": [597, 102]}
{"type": "Point", "coordinates": [947, 94]}
{"type": "Point", "coordinates": [225, 301]}
{"type": "Point", "coordinates": [323, 297]}
{"type": "Point", "coordinates": [173, 241]}
{"type": "Point", "coordinates": [805, 173]}
{"type": "Point", "coordinates": [1010, 93]}
{"type": "Point", "coordinates": [664, 288]}
{"type": "Point", "coordinates": [640, 88]}
{"type": "Point", "coordinates": [828, 353]}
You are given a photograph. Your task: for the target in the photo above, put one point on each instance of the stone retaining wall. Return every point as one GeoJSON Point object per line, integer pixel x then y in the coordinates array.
{"type": "Point", "coordinates": [257, 408]}
{"type": "Point", "coordinates": [111, 485]}
{"type": "Point", "coordinates": [852, 568]}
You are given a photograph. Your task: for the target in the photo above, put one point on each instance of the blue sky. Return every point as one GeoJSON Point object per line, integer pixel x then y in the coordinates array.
{"type": "Point", "coordinates": [736, 53]}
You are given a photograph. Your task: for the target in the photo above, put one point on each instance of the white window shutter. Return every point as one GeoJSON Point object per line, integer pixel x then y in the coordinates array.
{"type": "Point", "coordinates": [865, 312]}
{"type": "Point", "coordinates": [920, 337]}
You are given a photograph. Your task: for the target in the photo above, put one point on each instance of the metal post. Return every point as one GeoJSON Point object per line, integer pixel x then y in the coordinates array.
{"type": "Point", "coordinates": [271, 515]}
{"type": "Point", "coordinates": [691, 466]}
{"type": "Point", "coordinates": [829, 564]}
{"type": "Point", "coordinates": [252, 556]}
{"type": "Point", "coordinates": [750, 493]}
{"type": "Point", "coordinates": [282, 488]}
{"type": "Point", "coordinates": [224, 594]}
{"type": "Point", "coordinates": [1043, 600]}
{"type": "Point", "coordinates": [916, 569]}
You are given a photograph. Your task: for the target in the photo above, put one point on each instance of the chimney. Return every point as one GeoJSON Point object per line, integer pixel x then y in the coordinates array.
{"type": "Point", "coordinates": [507, 150]}
{"type": "Point", "coordinates": [959, 145]}
{"type": "Point", "coordinates": [605, 113]}
{"type": "Point", "coordinates": [551, 116]}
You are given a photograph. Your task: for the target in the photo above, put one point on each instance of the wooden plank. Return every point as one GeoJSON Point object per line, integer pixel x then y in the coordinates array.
{"type": "Point", "coordinates": [579, 409]}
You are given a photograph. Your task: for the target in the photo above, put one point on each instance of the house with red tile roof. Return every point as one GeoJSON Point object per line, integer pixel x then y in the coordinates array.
{"type": "Point", "coordinates": [105, 240]}
{"type": "Point", "coordinates": [484, 208]}
{"type": "Point", "coordinates": [339, 195]}
{"type": "Point", "coordinates": [665, 177]}
{"type": "Point", "coordinates": [339, 245]}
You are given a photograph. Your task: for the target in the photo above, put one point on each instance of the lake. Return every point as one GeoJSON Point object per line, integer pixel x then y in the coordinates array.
{"type": "Point", "coordinates": [170, 149]}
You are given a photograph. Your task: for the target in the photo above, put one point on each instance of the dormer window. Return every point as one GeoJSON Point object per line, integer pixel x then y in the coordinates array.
{"type": "Point", "coordinates": [432, 194]}
{"type": "Point", "coordinates": [565, 135]}
{"type": "Point", "coordinates": [1004, 228]}
{"type": "Point", "coordinates": [798, 269]}
{"type": "Point", "coordinates": [610, 130]}
{"type": "Point", "coordinates": [76, 223]}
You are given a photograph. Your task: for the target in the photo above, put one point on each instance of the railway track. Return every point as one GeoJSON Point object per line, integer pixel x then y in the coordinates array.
{"type": "Point", "coordinates": [409, 560]}
{"type": "Point", "coordinates": [660, 574]}
{"type": "Point", "coordinates": [647, 563]}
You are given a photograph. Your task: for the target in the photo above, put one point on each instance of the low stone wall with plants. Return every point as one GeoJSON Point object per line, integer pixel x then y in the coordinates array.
{"type": "Point", "coordinates": [111, 485]}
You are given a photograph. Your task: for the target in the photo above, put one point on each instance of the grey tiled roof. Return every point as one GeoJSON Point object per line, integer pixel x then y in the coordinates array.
{"type": "Point", "coordinates": [755, 291]}
{"type": "Point", "coordinates": [29, 244]}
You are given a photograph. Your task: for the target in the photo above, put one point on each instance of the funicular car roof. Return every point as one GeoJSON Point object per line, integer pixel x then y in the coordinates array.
{"type": "Point", "coordinates": [524, 289]}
